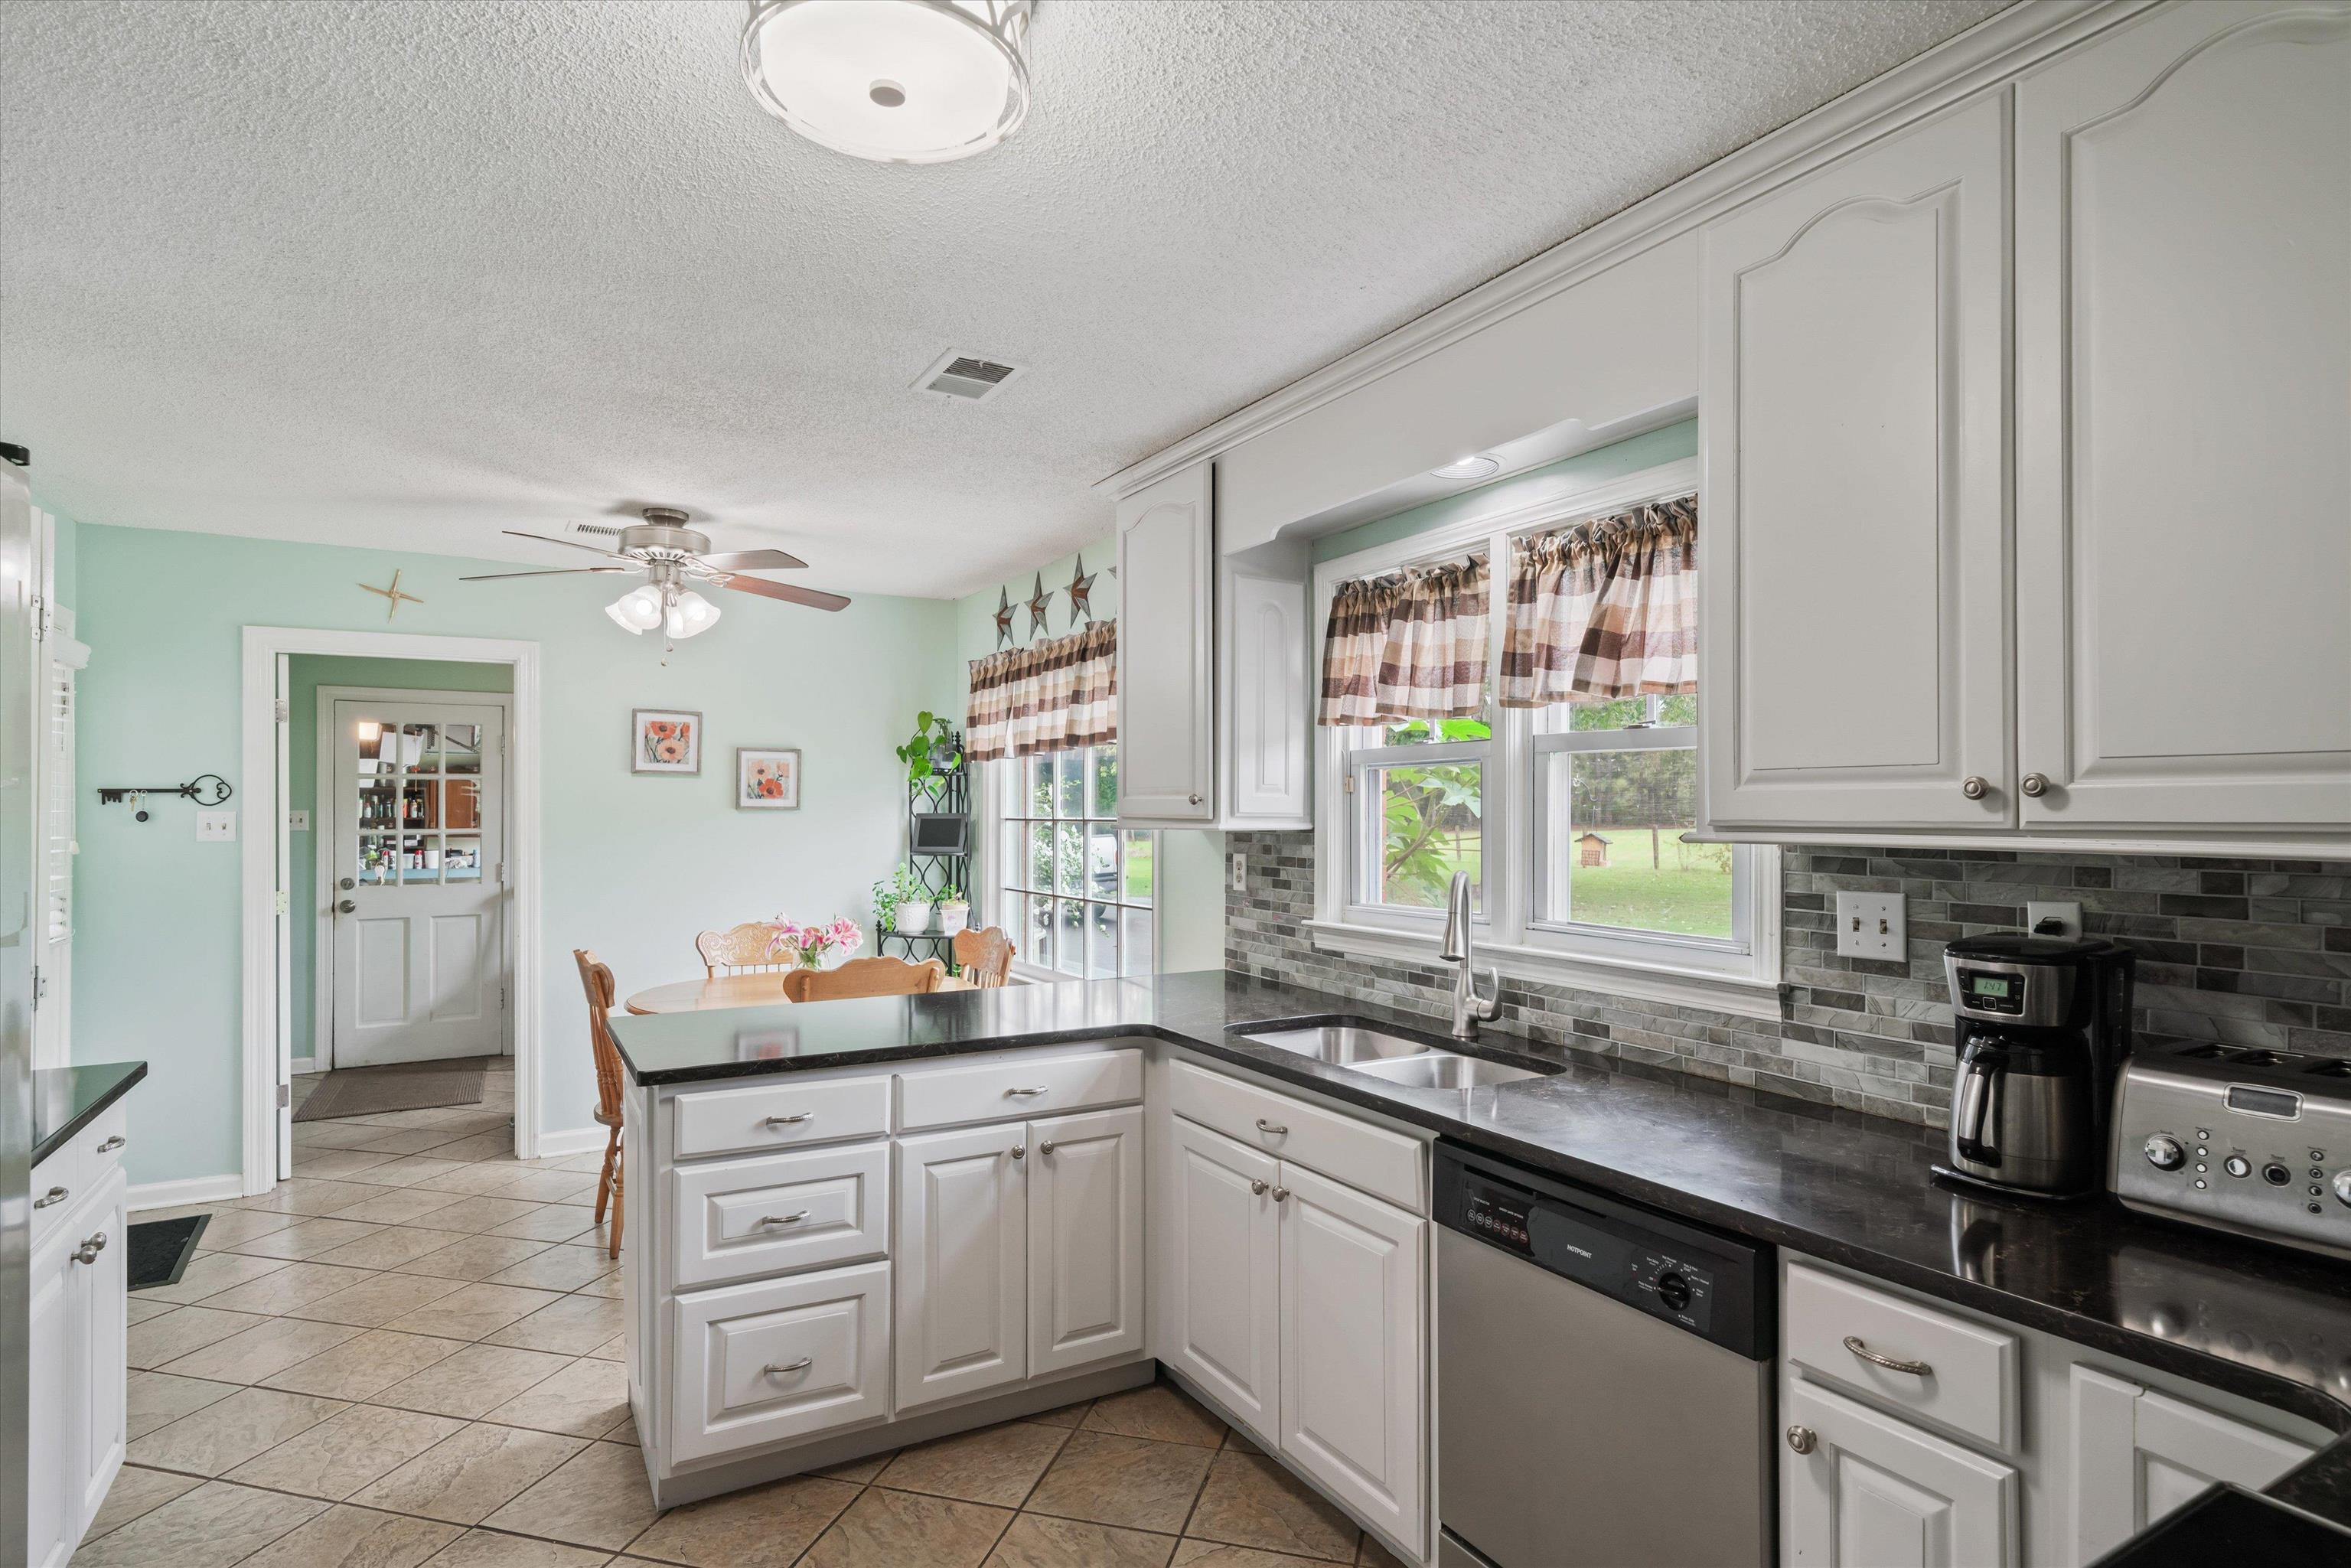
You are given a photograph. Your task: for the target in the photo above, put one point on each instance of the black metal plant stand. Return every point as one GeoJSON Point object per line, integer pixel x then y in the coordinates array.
{"type": "Point", "coordinates": [947, 794]}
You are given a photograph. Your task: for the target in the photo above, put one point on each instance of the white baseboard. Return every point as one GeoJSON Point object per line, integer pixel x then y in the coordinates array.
{"type": "Point", "coordinates": [187, 1190]}
{"type": "Point", "coordinates": [570, 1141]}
{"type": "Point", "coordinates": [302, 1064]}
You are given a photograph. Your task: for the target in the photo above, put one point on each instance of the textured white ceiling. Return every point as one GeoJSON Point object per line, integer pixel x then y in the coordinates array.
{"type": "Point", "coordinates": [407, 273]}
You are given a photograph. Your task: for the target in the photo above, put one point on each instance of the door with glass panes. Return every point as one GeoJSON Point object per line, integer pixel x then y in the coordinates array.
{"type": "Point", "coordinates": [419, 967]}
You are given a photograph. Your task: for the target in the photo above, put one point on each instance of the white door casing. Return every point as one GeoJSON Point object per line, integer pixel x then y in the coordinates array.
{"type": "Point", "coordinates": [1224, 1303]}
{"type": "Point", "coordinates": [1085, 1238]}
{"type": "Point", "coordinates": [1166, 647]}
{"type": "Point", "coordinates": [1853, 491]}
{"type": "Point", "coordinates": [1877, 1492]}
{"type": "Point", "coordinates": [419, 969]}
{"type": "Point", "coordinates": [962, 1310]}
{"type": "Point", "coordinates": [2137, 1455]}
{"type": "Point", "coordinates": [2183, 599]}
{"type": "Point", "coordinates": [281, 853]}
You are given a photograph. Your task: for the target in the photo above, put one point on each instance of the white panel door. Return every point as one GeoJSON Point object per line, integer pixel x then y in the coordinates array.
{"type": "Point", "coordinates": [1166, 631]}
{"type": "Point", "coordinates": [1224, 1262]}
{"type": "Point", "coordinates": [1085, 1239]}
{"type": "Point", "coordinates": [2138, 1455]}
{"type": "Point", "coordinates": [54, 1368]}
{"type": "Point", "coordinates": [1354, 1347]}
{"type": "Point", "coordinates": [1267, 706]}
{"type": "Point", "coordinates": [1853, 514]}
{"type": "Point", "coordinates": [1877, 1492]}
{"type": "Point", "coordinates": [963, 1262]}
{"type": "Point", "coordinates": [419, 901]}
{"type": "Point", "coordinates": [2184, 422]}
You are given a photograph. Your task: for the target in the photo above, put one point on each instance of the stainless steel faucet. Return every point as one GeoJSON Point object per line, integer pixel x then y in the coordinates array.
{"type": "Point", "coordinates": [1469, 1009]}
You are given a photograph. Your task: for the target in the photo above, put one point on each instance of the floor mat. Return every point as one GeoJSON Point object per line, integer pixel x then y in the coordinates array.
{"type": "Point", "coordinates": [159, 1248]}
{"type": "Point", "coordinates": [402, 1086]}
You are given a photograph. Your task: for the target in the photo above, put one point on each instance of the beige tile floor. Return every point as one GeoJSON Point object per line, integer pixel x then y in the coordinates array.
{"type": "Point", "coordinates": [411, 1352]}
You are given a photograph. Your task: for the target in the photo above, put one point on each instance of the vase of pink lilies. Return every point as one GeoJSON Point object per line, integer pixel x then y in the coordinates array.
{"type": "Point", "coordinates": [807, 946]}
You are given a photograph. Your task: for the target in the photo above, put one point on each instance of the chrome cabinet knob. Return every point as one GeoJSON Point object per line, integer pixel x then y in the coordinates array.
{"type": "Point", "coordinates": [1803, 1439]}
{"type": "Point", "coordinates": [1046, 1147]}
{"type": "Point", "coordinates": [2034, 784]}
{"type": "Point", "coordinates": [1257, 1187]}
{"type": "Point", "coordinates": [1196, 799]}
{"type": "Point", "coordinates": [346, 907]}
{"type": "Point", "coordinates": [88, 1251]}
{"type": "Point", "coordinates": [112, 1144]}
{"type": "Point", "coordinates": [1974, 788]}
{"type": "Point", "coordinates": [1019, 1151]}
{"type": "Point", "coordinates": [1281, 1193]}
{"type": "Point", "coordinates": [55, 1195]}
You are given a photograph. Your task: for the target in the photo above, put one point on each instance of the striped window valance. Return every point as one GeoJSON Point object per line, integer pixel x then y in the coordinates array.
{"type": "Point", "coordinates": [1408, 645]}
{"type": "Point", "coordinates": [1054, 695]}
{"type": "Point", "coordinates": [1605, 609]}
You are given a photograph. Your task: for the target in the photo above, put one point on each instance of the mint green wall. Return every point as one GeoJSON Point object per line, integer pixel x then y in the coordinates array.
{"type": "Point", "coordinates": [1597, 467]}
{"type": "Point", "coordinates": [306, 672]}
{"type": "Point", "coordinates": [632, 865]}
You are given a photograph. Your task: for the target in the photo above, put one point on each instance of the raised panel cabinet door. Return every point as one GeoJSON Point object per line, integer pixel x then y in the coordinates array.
{"type": "Point", "coordinates": [1354, 1347]}
{"type": "Point", "coordinates": [106, 1306]}
{"type": "Point", "coordinates": [963, 1262]}
{"type": "Point", "coordinates": [776, 1359]}
{"type": "Point", "coordinates": [1085, 1239]}
{"type": "Point", "coordinates": [1225, 1262]}
{"type": "Point", "coordinates": [1853, 516]}
{"type": "Point", "coordinates": [1874, 1492]}
{"type": "Point", "coordinates": [1267, 709]}
{"type": "Point", "coordinates": [2183, 598]}
{"type": "Point", "coordinates": [1166, 647]}
{"type": "Point", "coordinates": [54, 1375]}
{"type": "Point", "coordinates": [2136, 1455]}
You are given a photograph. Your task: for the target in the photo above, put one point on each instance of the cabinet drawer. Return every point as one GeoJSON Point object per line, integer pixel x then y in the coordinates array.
{"type": "Point", "coordinates": [103, 1142]}
{"type": "Point", "coordinates": [768, 1215]}
{"type": "Point", "coordinates": [996, 1090]}
{"type": "Point", "coordinates": [1970, 1383]}
{"type": "Point", "coordinates": [780, 1115]}
{"type": "Point", "coordinates": [779, 1360]}
{"type": "Point", "coordinates": [1371, 1159]}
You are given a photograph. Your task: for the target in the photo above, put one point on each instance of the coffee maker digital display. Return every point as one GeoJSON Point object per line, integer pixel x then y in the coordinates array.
{"type": "Point", "coordinates": [2042, 1024]}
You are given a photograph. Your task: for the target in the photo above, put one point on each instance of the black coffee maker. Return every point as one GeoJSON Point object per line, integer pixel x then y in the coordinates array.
{"type": "Point", "coordinates": [2044, 1025]}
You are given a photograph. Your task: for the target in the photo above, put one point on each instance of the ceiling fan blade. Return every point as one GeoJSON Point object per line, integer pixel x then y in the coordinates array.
{"type": "Point", "coordinates": [571, 544]}
{"type": "Point", "coordinates": [752, 560]}
{"type": "Point", "coordinates": [551, 572]}
{"type": "Point", "coordinates": [814, 598]}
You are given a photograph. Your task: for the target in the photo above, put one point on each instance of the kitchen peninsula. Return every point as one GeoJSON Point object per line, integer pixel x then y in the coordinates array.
{"type": "Point", "coordinates": [836, 1181]}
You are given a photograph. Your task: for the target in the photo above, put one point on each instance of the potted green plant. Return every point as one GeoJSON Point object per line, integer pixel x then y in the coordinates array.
{"type": "Point", "coordinates": [907, 901]}
{"type": "Point", "coordinates": [885, 906]}
{"type": "Point", "coordinates": [954, 910]}
{"type": "Point", "coordinates": [931, 752]}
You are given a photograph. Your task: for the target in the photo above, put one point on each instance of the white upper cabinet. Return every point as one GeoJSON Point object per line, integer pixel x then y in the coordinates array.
{"type": "Point", "coordinates": [1853, 514]}
{"type": "Point", "coordinates": [2183, 590]}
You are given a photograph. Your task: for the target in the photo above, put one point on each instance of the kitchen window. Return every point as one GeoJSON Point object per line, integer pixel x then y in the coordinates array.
{"type": "Point", "coordinates": [1075, 890]}
{"type": "Point", "coordinates": [1570, 820]}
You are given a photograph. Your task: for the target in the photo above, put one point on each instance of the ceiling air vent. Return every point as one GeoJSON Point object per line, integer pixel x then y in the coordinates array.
{"type": "Point", "coordinates": [593, 530]}
{"type": "Point", "coordinates": [964, 376]}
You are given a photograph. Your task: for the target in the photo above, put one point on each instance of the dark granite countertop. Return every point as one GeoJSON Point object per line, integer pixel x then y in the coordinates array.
{"type": "Point", "coordinates": [65, 1099]}
{"type": "Point", "coordinates": [2267, 1323]}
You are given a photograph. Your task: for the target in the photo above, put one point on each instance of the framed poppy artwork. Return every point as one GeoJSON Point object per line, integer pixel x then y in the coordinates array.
{"type": "Point", "coordinates": [767, 779]}
{"type": "Point", "coordinates": [666, 742]}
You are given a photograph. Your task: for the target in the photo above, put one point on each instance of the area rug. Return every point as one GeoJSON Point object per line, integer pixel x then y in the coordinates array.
{"type": "Point", "coordinates": [159, 1248]}
{"type": "Point", "coordinates": [402, 1086]}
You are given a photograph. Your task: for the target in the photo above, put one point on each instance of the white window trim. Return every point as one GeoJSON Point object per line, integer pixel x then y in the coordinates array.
{"type": "Point", "coordinates": [988, 877]}
{"type": "Point", "coordinates": [1656, 969]}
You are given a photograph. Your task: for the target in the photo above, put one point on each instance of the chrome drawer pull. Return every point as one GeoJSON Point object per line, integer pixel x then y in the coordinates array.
{"type": "Point", "coordinates": [794, 1120]}
{"type": "Point", "coordinates": [1915, 1368]}
{"type": "Point", "coordinates": [802, 1365]}
{"type": "Point", "coordinates": [1257, 1188]}
{"type": "Point", "coordinates": [112, 1144]}
{"type": "Point", "coordinates": [88, 1251]}
{"type": "Point", "coordinates": [1025, 1094]}
{"type": "Point", "coordinates": [793, 1219]}
{"type": "Point", "coordinates": [1270, 1130]}
{"type": "Point", "coordinates": [55, 1195]}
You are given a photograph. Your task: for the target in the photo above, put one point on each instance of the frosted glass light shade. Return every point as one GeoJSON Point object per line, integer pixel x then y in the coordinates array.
{"type": "Point", "coordinates": [896, 81]}
{"type": "Point", "coordinates": [637, 611]}
{"type": "Point", "coordinates": [691, 615]}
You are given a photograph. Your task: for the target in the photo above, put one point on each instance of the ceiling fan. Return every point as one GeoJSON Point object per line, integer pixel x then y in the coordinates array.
{"type": "Point", "coordinates": [673, 559]}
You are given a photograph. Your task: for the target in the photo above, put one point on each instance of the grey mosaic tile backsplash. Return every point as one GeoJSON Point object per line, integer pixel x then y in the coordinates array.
{"type": "Point", "coordinates": [2244, 951]}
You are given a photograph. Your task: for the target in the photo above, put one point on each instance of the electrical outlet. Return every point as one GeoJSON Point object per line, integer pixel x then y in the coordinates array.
{"type": "Point", "coordinates": [1871, 925]}
{"type": "Point", "coordinates": [2065, 912]}
{"type": "Point", "coordinates": [216, 827]}
{"type": "Point", "coordinates": [297, 822]}
{"type": "Point", "coordinates": [1240, 871]}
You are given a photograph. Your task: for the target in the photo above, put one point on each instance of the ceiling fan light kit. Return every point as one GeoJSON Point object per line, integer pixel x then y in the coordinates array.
{"type": "Point", "coordinates": [894, 81]}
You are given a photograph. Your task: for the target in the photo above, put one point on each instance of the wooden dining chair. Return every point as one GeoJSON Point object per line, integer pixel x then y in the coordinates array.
{"type": "Point", "coordinates": [598, 979]}
{"type": "Point", "coordinates": [865, 977]}
{"type": "Point", "coordinates": [985, 957]}
{"type": "Point", "coordinates": [741, 951]}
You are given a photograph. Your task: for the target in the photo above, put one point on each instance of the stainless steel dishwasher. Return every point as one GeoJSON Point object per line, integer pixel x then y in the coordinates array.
{"type": "Point", "coordinates": [1604, 1379]}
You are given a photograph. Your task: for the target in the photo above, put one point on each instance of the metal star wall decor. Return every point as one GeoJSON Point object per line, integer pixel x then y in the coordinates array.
{"type": "Point", "coordinates": [396, 598]}
{"type": "Point", "coordinates": [1080, 586]}
{"type": "Point", "coordinates": [1004, 613]}
{"type": "Point", "coordinates": [1041, 600]}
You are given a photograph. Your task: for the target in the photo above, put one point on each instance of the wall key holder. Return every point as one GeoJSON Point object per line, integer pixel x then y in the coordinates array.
{"type": "Point", "coordinates": [204, 789]}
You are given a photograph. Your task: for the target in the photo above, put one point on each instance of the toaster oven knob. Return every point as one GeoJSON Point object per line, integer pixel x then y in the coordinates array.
{"type": "Point", "coordinates": [2343, 1187]}
{"type": "Point", "coordinates": [2164, 1154]}
{"type": "Point", "coordinates": [2238, 1166]}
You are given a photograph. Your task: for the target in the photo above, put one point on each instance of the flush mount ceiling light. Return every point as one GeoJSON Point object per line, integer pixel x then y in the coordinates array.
{"type": "Point", "coordinates": [1477, 467]}
{"type": "Point", "coordinates": [897, 81]}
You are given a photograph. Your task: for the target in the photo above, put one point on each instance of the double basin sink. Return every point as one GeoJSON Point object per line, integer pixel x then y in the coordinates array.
{"type": "Point", "coordinates": [1413, 1063]}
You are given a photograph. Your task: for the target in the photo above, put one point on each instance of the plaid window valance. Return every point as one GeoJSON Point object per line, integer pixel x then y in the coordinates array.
{"type": "Point", "coordinates": [1054, 695]}
{"type": "Point", "coordinates": [1408, 645]}
{"type": "Point", "coordinates": [1605, 609]}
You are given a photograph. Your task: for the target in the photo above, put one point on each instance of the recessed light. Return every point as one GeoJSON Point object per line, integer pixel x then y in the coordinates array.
{"type": "Point", "coordinates": [1472, 467]}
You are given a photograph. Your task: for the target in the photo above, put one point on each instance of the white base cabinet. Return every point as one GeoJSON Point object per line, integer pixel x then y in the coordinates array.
{"type": "Point", "coordinates": [78, 1328]}
{"type": "Point", "coordinates": [1873, 1491]}
{"type": "Point", "coordinates": [1222, 1262]}
{"type": "Point", "coordinates": [2135, 1455]}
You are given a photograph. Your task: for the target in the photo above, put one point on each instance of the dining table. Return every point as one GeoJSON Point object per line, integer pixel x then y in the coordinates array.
{"type": "Point", "coordinates": [762, 989]}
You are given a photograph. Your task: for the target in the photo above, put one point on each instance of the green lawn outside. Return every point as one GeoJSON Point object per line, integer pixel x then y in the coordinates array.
{"type": "Point", "coordinates": [1695, 901]}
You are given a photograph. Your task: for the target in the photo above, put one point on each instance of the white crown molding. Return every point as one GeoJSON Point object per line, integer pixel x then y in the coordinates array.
{"type": "Point", "coordinates": [1992, 50]}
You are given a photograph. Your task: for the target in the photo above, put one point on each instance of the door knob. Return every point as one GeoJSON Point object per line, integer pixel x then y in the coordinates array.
{"type": "Point", "coordinates": [1803, 1439]}
{"type": "Point", "coordinates": [1974, 788]}
{"type": "Point", "coordinates": [346, 885]}
{"type": "Point", "coordinates": [346, 907]}
{"type": "Point", "coordinates": [2034, 784]}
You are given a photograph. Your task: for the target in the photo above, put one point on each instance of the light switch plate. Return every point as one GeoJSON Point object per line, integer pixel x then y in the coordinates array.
{"type": "Point", "coordinates": [216, 827]}
{"type": "Point", "coordinates": [2065, 911]}
{"type": "Point", "coordinates": [1871, 925]}
{"type": "Point", "coordinates": [297, 822]}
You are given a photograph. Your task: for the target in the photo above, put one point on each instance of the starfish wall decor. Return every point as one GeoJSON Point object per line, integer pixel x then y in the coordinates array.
{"type": "Point", "coordinates": [1003, 613]}
{"type": "Point", "coordinates": [1081, 587]}
{"type": "Point", "coordinates": [393, 595]}
{"type": "Point", "coordinates": [1041, 600]}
